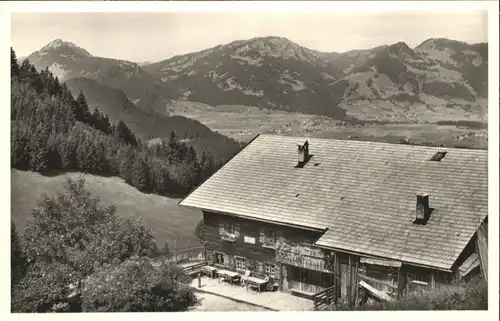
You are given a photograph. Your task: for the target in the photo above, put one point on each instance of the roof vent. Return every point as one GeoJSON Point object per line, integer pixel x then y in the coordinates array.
{"type": "Point", "coordinates": [303, 154]}
{"type": "Point", "coordinates": [438, 156]}
{"type": "Point", "coordinates": [422, 211]}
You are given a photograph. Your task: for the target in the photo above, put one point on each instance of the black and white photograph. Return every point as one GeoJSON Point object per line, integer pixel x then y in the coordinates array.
{"type": "Point", "coordinates": [192, 159]}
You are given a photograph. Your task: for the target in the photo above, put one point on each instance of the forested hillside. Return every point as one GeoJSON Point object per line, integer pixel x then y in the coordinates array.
{"type": "Point", "coordinates": [149, 124]}
{"type": "Point", "coordinates": [51, 131]}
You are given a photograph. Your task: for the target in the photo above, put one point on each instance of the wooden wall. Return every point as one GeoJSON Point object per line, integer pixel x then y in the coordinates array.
{"type": "Point", "coordinates": [251, 229]}
{"type": "Point", "coordinates": [348, 270]}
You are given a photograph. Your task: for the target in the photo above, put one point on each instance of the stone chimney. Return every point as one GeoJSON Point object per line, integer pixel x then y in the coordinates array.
{"type": "Point", "coordinates": [303, 154]}
{"type": "Point", "coordinates": [422, 212]}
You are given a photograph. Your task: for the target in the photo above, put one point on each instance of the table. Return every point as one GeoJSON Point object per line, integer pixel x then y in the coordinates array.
{"type": "Point", "coordinates": [228, 274]}
{"type": "Point", "coordinates": [255, 282]}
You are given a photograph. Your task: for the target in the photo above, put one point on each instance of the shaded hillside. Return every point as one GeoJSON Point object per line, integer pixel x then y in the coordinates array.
{"type": "Point", "coordinates": [149, 125]}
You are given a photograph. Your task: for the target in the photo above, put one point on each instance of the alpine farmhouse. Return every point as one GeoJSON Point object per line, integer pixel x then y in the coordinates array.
{"type": "Point", "coordinates": [321, 215]}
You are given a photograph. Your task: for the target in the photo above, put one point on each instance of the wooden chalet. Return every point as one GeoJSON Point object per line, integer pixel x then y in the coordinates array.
{"type": "Point", "coordinates": [322, 216]}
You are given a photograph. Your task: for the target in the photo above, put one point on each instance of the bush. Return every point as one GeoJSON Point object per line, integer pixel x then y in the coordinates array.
{"type": "Point", "coordinates": [136, 286]}
{"type": "Point", "coordinates": [471, 295]}
{"type": "Point", "coordinates": [73, 246]}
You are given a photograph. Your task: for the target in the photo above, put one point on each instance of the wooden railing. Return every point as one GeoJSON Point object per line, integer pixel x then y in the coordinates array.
{"type": "Point", "coordinates": [325, 298]}
{"type": "Point", "coordinates": [183, 255]}
{"type": "Point", "coordinates": [229, 237]}
{"type": "Point", "coordinates": [303, 261]}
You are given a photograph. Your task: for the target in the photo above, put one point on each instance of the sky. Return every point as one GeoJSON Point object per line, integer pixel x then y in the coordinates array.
{"type": "Point", "coordinates": [156, 36]}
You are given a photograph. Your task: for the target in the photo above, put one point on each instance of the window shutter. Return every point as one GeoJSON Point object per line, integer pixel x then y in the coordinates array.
{"type": "Point", "coordinates": [237, 230]}
{"type": "Point", "coordinates": [221, 228]}
{"type": "Point", "coordinates": [226, 260]}
{"type": "Point", "coordinates": [260, 267]}
{"type": "Point", "coordinates": [262, 235]}
{"type": "Point", "coordinates": [210, 256]}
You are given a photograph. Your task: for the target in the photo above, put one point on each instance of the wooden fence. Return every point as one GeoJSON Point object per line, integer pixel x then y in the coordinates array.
{"type": "Point", "coordinates": [325, 298]}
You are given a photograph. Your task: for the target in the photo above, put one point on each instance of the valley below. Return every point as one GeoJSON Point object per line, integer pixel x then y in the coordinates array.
{"type": "Point", "coordinates": [242, 123]}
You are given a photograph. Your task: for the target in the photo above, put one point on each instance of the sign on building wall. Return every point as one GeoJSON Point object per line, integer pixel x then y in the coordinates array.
{"type": "Point", "coordinates": [249, 239]}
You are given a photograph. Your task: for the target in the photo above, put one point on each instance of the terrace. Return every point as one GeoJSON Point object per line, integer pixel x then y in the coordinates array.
{"type": "Point", "coordinates": [273, 301]}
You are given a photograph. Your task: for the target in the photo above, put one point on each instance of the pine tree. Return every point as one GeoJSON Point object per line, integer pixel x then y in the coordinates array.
{"type": "Point", "coordinates": [14, 66]}
{"type": "Point", "coordinates": [17, 258]}
{"type": "Point", "coordinates": [35, 80]}
{"type": "Point", "coordinates": [39, 149]}
{"type": "Point", "coordinates": [140, 174]}
{"type": "Point", "coordinates": [87, 154]}
{"type": "Point", "coordinates": [125, 134]}
{"type": "Point", "coordinates": [67, 152]}
{"type": "Point", "coordinates": [20, 154]}
{"type": "Point", "coordinates": [54, 161]}
{"type": "Point", "coordinates": [96, 119]}
{"type": "Point", "coordinates": [24, 71]}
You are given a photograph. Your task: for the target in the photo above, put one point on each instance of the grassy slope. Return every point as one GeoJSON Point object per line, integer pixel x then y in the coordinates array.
{"type": "Point", "coordinates": [162, 214]}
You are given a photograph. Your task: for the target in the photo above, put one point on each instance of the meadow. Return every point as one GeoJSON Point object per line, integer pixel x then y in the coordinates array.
{"type": "Point", "coordinates": [163, 215]}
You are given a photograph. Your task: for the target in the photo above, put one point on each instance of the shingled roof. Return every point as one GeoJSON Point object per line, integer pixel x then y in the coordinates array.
{"type": "Point", "coordinates": [362, 195]}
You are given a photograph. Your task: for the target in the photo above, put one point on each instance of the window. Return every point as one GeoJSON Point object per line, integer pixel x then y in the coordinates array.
{"type": "Point", "coordinates": [438, 156]}
{"type": "Point", "coordinates": [229, 231]}
{"type": "Point", "coordinates": [260, 266]}
{"type": "Point", "coordinates": [241, 263]}
{"type": "Point", "coordinates": [219, 258]}
{"type": "Point", "coordinates": [229, 227]}
{"type": "Point", "coordinates": [268, 237]}
{"type": "Point", "coordinates": [270, 270]}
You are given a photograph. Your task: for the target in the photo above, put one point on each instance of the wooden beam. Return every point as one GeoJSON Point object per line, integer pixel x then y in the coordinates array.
{"type": "Point", "coordinates": [349, 283]}
{"type": "Point", "coordinates": [251, 218]}
{"type": "Point", "coordinates": [338, 281]}
{"type": "Point", "coordinates": [369, 279]}
{"type": "Point", "coordinates": [376, 293]}
{"type": "Point", "coordinates": [280, 284]}
{"type": "Point", "coordinates": [401, 281]}
{"type": "Point", "coordinates": [331, 248]}
{"type": "Point", "coordinates": [356, 277]}
{"type": "Point", "coordinates": [381, 262]}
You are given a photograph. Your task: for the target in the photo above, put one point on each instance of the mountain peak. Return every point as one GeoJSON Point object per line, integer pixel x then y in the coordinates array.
{"type": "Point", "coordinates": [59, 43]}
{"type": "Point", "coordinates": [399, 46]}
{"type": "Point", "coordinates": [274, 46]}
{"type": "Point", "coordinates": [434, 43]}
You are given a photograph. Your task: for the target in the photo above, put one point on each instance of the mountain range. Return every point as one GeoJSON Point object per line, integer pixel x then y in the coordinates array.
{"type": "Point", "coordinates": [388, 82]}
